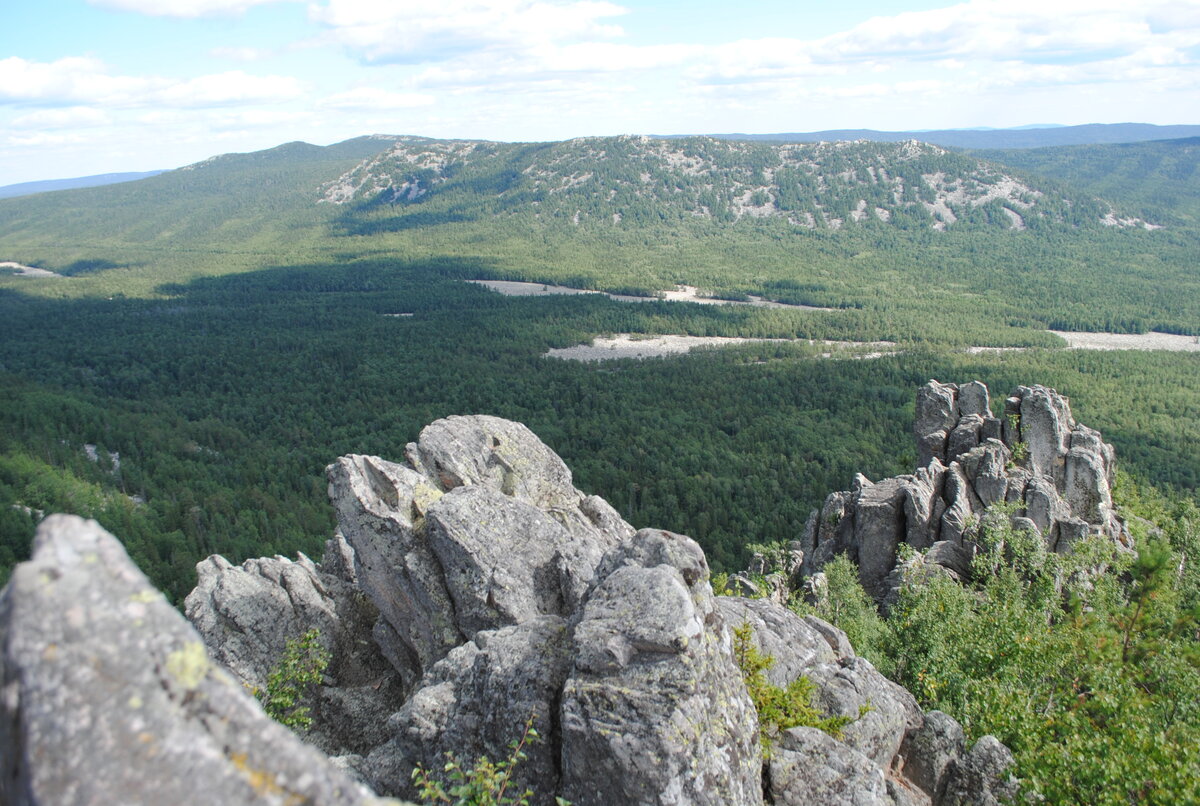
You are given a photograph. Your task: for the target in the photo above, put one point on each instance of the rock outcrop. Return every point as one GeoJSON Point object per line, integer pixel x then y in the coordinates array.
{"type": "Point", "coordinates": [110, 697]}
{"type": "Point", "coordinates": [247, 614]}
{"type": "Point", "coordinates": [890, 753]}
{"type": "Point", "coordinates": [468, 592]}
{"type": "Point", "coordinates": [1054, 474]}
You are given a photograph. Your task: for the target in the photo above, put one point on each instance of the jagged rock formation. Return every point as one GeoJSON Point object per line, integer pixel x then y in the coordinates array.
{"type": "Point", "coordinates": [506, 594]}
{"type": "Point", "coordinates": [1054, 473]}
{"type": "Point", "coordinates": [247, 614]}
{"type": "Point", "coordinates": [110, 697]}
{"type": "Point", "coordinates": [468, 591]}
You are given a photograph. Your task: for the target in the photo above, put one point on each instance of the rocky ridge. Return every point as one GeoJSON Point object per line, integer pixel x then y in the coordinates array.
{"type": "Point", "coordinates": [468, 590]}
{"type": "Point", "coordinates": [608, 180]}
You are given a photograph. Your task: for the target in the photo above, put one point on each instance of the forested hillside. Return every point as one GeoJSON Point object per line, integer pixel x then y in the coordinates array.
{"type": "Point", "coordinates": [214, 402]}
{"type": "Point", "coordinates": [612, 180]}
{"type": "Point", "coordinates": [1158, 179]}
{"type": "Point", "coordinates": [225, 401]}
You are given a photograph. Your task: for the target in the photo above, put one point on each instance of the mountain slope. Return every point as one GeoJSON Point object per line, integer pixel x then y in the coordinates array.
{"type": "Point", "coordinates": [1160, 179]}
{"type": "Point", "coordinates": [48, 185]}
{"type": "Point", "coordinates": [649, 181]}
{"type": "Point", "coordinates": [232, 198]}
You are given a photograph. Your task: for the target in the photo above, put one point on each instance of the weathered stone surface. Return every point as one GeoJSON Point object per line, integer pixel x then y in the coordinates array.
{"type": "Point", "coordinates": [655, 711]}
{"type": "Point", "coordinates": [434, 576]}
{"type": "Point", "coordinates": [981, 777]}
{"type": "Point", "coordinates": [476, 701]}
{"type": "Point", "coordinates": [936, 408]}
{"type": "Point", "coordinates": [246, 614]}
{"type": "Point", "coordinates": [923, 505]}
{"type": "Point", "coordinates": [836, 639]}
{"type": "Point", "coordinates": [973, 400]}
{"type": "Point", "coordinates": [504, 560]}
{"type": "Point", "coordinates": [1046, 430]}
{"type": "Point", "coordinates": [964, 437]}
{"type": "Point", "coordinates": [794, 643]}
{"type": "Point", "coordinates": [491, 452]}
{"type": "Point", "coordinates": [810, 767]}
{"type": "Point", "coordinates": [952, 556]}
{"type": "Point", "coordinates": [109, 696]}
{"type": "Point", "coordinates": [379, 504]}
{"type": "Point", "coordinates": [1086, 485]}
{"type": "Point", "coordinates": [967, 466]}
{"type": "Point", "coordinates": [878, 529]}
{"type": "Point", "coordinates": [850, 686]}
{"type": "Point", "coordinates": [986, 469]}
{"type": "Point", "coordinates": [961, 505]}
{"type": "Point", "coordinates": [930, 753]}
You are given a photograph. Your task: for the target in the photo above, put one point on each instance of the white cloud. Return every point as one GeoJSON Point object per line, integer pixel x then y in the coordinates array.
{"type": "Point", "coordinates": [380, 31]}
{"type": "Point", "coordinates": [240, 54]}
{"type": "Point", "coordinates": [74, 117]}
{"type": "Point", "coordinates": [183, 8]}
{"type": "Point", "coordinates": [374, 99]}
{"type": "Point", "coordinates": [69, 80]}
{"type": "Point", "coordinates": [980, 47]}
{"type": "Point", "coordinates": [77, 80]}
{"type": "Point", "coordinates": [231, 88]}
{"type": "Point", "coordinates": [1015, 29]}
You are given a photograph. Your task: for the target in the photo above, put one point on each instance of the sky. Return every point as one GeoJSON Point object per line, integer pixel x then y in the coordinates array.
{"type": "Point", "coordinates": [101, 86]}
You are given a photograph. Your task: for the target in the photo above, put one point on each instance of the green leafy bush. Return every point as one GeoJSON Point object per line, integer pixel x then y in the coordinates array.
{"type": "Point", "coordinates": [486, 783]}
{"type": "Point", "coordinates": [290, 682]}
{"type": "Point", "coordinates": [778, 708]}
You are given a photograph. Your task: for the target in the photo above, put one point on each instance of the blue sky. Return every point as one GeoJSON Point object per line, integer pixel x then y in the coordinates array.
{"type": "Point", "coordinates": [96, 86]}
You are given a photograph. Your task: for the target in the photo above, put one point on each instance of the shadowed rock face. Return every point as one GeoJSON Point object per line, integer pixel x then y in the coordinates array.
{"type": "Point", "coordinates": [467, 592]}
{"type": "Point", "coordinates": [1054, 472]}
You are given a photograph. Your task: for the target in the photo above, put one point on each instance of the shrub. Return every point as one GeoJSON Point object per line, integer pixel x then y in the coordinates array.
{"type": "Point", "coordinates": [290, 682]}
{"type": "Point", "coordinates": [778, 708]}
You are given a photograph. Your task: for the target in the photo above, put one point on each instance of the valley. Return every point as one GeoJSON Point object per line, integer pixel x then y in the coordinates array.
{"type": "Point", "coordinates": [220, 334]}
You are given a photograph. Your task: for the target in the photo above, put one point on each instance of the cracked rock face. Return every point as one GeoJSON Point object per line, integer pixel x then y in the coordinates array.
{"type": "Point", "coordinates": [247, 614]}
{"type": "Point", "coordinates": [655, 710]}
{"type": "Point", "coordinates": [110, 697]}
{"type": "Point", "coordinates": [1054, 472]}
{"type": "Point", "coordinates": [437, 569]}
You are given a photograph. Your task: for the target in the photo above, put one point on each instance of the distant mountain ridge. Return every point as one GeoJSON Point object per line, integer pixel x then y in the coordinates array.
{"type": "Point", "coordinates": [47, 185]}
{"type": "Point", "coordinates": [606, 181]}
{"type": "Point", "coordinates": [1019, 137]}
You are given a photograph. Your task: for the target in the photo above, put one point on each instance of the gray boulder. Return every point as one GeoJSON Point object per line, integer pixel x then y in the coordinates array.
{"type": "Point", "coordinates": [428, 566]}
{"type": "Point", "coordinates": [882, 712]}
{"type": "Point", "coordinates": [795, 643]}
{"type": "Point", "coordinates": [936, 416]}
{"type": "Point", "coordinates": [809, 767]}
{"type": "Point", "coordinates": [930, 753]}
{"type": "Point", "coordinates": [476, 702]}
{"type": "Point", "coordinates": [110, 697]}
{"type": "Point", "coordinates": [973, 400]}
{"type": "Point", "coordinates": [982, 777]}
{"type": "Point", "coordinates": [655, 710]}
{"type": "Point", "coordinates": [247, 614]}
